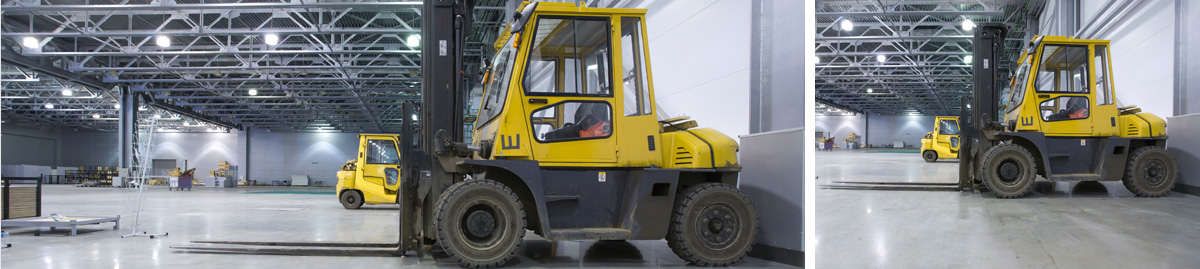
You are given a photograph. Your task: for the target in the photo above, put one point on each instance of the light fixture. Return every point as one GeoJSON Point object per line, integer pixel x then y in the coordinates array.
{"type": "Point", "coordinates": [253, 92]}
{"type": "Point", "coordinates": [869, 90]}
{"type": "Point", "coordinates": [142, 108]}
{"type": "Point", "coordinates": [271, 39]}
{"type": "Point", "coordinates": [413, 40]}
{"type": "Point", "coordinates": [30, 42]}
{"type": "Point", "coordinates": [847, 25]}
{"type": "Point", "coordinates": [95, 116]}
{"type": "Point", "coordinates": [68, 92]}
{"type": "Point", "coordinates": [414, 117]}
{"type": "Point", "coordinates": [967, 24]}
{"type": "Point", "coordinates": [163, 41]}
{"type": "Point", "coordinates": [967, 59]}
{"type": "Point", "coordinates": [157, 116]}
{"type": "Point", "coordinates": [49, 105]}
{"type": "Point", "coordinates": [162, 129]}
{"type": "Point", "coordinates": [880, 58]}
{"type": "Point", "coordinates": [117, 106]}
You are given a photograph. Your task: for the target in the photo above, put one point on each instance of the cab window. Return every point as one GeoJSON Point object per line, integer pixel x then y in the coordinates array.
{"type": "Point", "coordinates": [1102, 83]}
{"type": "Point", "coordinates": [381, 151]}
{"type": "Point", "coordinates": [572, 120]}
{"type": "Point", "coordinates": [570, 56]}
{"type": "Point", "coordinates": [1063, 69]}
{"type": "Point", "coordinates": [948, 127]}
{"type": "Point", "coordinates": [1065, 108]}
{"type": "Point", "coordinates": [633, 68]}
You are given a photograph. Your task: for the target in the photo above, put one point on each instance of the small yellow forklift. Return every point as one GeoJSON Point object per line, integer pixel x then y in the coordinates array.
{"type": "Point", "coordinates": [942, 142]}
{"type": "Point", "coordinates": [1062, 121]}
{"type": "Point", "coordinates": [371, 178]}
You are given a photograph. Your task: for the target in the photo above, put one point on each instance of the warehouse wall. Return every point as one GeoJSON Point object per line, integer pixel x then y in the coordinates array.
{"type": "Point", "coordinates": [1188, 68]}
{"type": "Point", "coordinates": [201, 150]}
{"type": "Point", "coordinates": [278, 156]}
{"type": "Point", "coordinates": [700, 60]}
{"type": "Point", "coordinates": [839, 126]}
{"type": "Point", "coordinates": [90, 148]}
{"type": "Point", "coordinates": [30, 145]}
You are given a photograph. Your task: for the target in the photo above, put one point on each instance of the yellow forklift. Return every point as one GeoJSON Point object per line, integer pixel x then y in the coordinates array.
{"type": "Point", "coordinates": [372, 177]}
{"type": "Point", "coordinates": [1061, 121]}
{"type": "Point", "coordinates": [942, 142]}
{"type": "Point", "coordinates": [567, 144]}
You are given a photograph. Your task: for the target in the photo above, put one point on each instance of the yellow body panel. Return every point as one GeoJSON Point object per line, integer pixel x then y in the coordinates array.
{"type": "Point", "coordinates": [635, 138]}
{"type": "Point", "coordinates": [941, 139]}
{"type": "Point", "coordinates": [368, 178]}
{"type": "Point", "coordinates": [1047, 109]}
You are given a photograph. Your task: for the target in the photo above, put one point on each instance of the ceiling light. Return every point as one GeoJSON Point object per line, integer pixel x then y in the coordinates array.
{"type": "Point", "coordinates": [49, 105]}
{"type": "Point", "coordinates": [413, 40]}
{"type": "Point", "coordinates": [271, 39]}
{"type": "Point", "coordinates": [157, 116]}
{"type": "Point", "coordinates": [163, 41]}
{"type": "Point", "coordinates": [30, 42]}
{"type": "Point", "coordinates": [847, 25]}
{"type": "Point", "coordinates": [117, 106]}
{"type": "Point", "coordinates": [967, 59]}
{"type": "Point", "coordinates": [967, 24]}
{"type": "Point", "coordinates": [68, 92]}
{"type": "Point", "coordinates": [253, 92]}
{"type": "Point", "coordinates": [142, 108]}
{"type": "Point", "coordinates": [880, 58]}
{"type": "Point", "coordinates": [95, 116]}
{"type": "Point", "coordinates": [869, 90]}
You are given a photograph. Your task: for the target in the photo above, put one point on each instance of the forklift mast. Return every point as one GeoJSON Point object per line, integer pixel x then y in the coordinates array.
{"type": "Point", "coordinates": [981, 111]}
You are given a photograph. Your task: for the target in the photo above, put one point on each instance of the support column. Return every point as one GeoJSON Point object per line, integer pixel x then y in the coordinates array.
{"type": "Point", "coordinates": [127, 129]}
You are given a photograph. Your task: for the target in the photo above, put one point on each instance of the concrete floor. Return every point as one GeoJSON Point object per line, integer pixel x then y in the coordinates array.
{"type": "Point", "coordinates": [268, 214]}
{"type": "Point", "coordinates": [1077, 225]}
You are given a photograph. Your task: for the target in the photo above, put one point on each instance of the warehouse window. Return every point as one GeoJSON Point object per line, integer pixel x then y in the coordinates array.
{"type": "Point", "coordinates": [570, 56]}
{"type": "Point", "coordinates": [572, 120]}
{"type": "Point", "coordinates": [1063, 69]}
{"type": "Point", "coordinates": [382, 152]}
{"type": "Point", "coordinates": [633, 66]}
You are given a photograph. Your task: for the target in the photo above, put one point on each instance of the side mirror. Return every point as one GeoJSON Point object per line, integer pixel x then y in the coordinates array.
{"type": "Point", "coordinates": [518, 22]}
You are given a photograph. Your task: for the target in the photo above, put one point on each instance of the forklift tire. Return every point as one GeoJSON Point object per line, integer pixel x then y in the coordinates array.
{"type": "Point", "coordinates": [480, 223]}
{"type": "Point", "coordinates": [1008, 170]}
{"type": "Point", "coordinates": [930, 156]}
{"type": "Point", "coordinates": [1151, 172]}
{"type": "Point", "coordinates": [351, 199]}
{"type": "Point", "coordinates": [713, 224]}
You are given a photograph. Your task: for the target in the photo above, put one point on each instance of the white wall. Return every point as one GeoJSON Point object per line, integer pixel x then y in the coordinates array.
{"type": "Point", "coordinates": [700, 58]}
{"type": "Point", "coordinates": [201, 150]}
{"type": "Point", "coordinates": [839, 126]}
{"type": "Point", "coordinates": [278, 156]}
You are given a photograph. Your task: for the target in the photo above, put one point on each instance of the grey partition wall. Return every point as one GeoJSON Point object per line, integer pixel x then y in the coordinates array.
{"type": "Point", "coordinates": [773, 176]}
{"type": "Point", "coordinates": [1184, 144]}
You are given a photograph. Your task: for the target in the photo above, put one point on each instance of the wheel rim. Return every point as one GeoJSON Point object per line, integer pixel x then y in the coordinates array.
{"type": "Point", "coordinates": [1155, 172]}
{"type": "Point", "coordinates": [929, 155]}
{"type": "Point", "coordinates": [1009, 172]}
{"type": "Point", "coordinates": [718, 226]}
{"type": "Point", "coordinates": [350, 199]}
{"type": "Point", "coordinates": [481, 226]}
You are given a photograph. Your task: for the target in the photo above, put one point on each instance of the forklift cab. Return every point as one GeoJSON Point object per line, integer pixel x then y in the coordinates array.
{"type": "Point", "coordinates": [1063, 88]}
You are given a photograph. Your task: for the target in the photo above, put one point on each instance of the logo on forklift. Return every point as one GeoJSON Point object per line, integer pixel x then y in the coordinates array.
{"type": "Point", "coordinates": [1026, 121]}
{"type": "Point", "coordinates": [506, 142]}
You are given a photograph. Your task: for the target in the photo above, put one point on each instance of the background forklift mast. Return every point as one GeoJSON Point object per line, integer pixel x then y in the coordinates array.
{"type": "Point", "coordinates": [1061, 121]}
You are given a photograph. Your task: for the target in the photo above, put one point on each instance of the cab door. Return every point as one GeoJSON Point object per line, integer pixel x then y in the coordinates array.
{"type": "Point", "coordinates": [638, 136]}
{"type": "Point", "coordinates": [568, 91]}
{"type": "Point", "coordinates": [1062, 90]}
{"type": "Point", "coordinates": [380, 168]}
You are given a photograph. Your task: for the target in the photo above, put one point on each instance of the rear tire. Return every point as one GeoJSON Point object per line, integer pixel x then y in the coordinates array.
{"type": "Point", "coordinates": [929, 156]}
{"type": "Point", "coordinates": [480, 223]}
{"type": "Point", "coordinates": [1008, 171]}
{"type": "Point", "coordinates": [351, 199]}
{"type": "Point", "coordinates": [1151, 172]}
{"type": "Point", "coordinates": [713, 224]}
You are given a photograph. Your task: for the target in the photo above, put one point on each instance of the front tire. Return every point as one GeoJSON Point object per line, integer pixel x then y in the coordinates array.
{"type": "Point", "coordinates": [1151, 172]}
{"type": "Point", "coordinates": [351, 199]}
{"type": "Point", "coordinates": [480, 223]}
{"type": "Point", "coordinates": [1009, 171]}
{"type": "Point", "coordinates": [713, 224]}
{"type": "Point", "coordinates": [929, 156]}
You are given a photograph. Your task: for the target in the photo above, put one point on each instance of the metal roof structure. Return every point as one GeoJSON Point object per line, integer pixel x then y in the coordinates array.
{"type": "Point", "coordinates": [286, 65]}
{"type": "Point", "coordinates": [904, 57]}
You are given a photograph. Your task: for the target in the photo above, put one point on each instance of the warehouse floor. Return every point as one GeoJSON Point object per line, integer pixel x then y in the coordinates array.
{"type": "Point", "coordinates": [1088, 225]}
{"type": "Point", "coordinates": [267, 214]}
